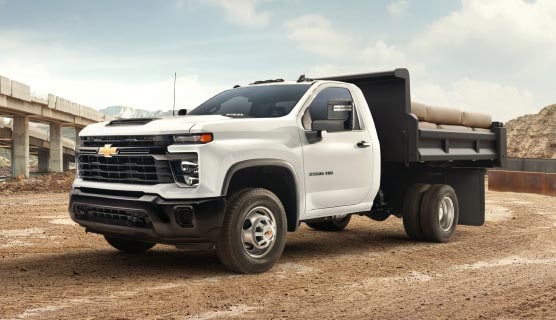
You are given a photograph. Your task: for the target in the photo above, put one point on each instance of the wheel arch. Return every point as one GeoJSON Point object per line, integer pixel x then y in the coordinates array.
{"type": "Point", "coordinates": [253, 173]}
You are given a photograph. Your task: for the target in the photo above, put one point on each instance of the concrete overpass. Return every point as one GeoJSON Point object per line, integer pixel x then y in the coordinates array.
{"type": "Point", "coordinates": [39, 145]}
{"type": "Point", "coordinates": [17, 103]}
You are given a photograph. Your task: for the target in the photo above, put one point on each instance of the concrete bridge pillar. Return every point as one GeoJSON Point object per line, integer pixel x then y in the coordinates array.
{"type": "Point", "coordinates": [55, 162]}
{"type": "Point", "coordinates": [20, 150]}
{"type": "Point", "coordinates": [43, 157]}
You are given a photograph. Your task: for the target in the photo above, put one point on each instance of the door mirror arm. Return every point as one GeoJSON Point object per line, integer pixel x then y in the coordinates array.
{"type": "Point", "coordinates": [313, 136]}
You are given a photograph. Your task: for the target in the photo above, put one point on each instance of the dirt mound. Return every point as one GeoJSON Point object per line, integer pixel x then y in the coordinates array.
{"type": "Point", "coordinates": [533, 135]}
{"type": "Point", "coordinates": [51, 182]}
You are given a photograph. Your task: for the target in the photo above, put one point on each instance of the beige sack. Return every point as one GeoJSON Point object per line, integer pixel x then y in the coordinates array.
{"type": "Point", "coordinates": [443, 115]}
{"type": "Point", "coordinates": [476, 120]}
{"type": "Point", "coordinates": [427, 125]}
{"type": "Point", "coordinates": [420, 110]}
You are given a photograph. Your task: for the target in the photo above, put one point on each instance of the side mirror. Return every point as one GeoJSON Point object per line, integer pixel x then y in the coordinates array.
{"type": "Point", "coordinates": [339, 115]}
{"type": "Point", "coordinates": [182, 112]}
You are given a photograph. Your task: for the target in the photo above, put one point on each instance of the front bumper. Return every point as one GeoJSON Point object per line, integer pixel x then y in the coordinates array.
{"type": "Point", "coordinates": [187, 223]}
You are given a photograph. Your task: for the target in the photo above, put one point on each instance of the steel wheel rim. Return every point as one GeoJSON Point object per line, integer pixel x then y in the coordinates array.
{"type": "Point", "coordinates": [446, 213]}
{"type": "Point", "coordinates": [258, 232]}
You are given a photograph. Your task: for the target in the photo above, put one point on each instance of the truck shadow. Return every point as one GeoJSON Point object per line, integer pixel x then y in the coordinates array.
{"type": "Point", "coordinates": [162, 262]}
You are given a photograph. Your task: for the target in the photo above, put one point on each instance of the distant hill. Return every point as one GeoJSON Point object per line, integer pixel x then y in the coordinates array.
{"type": "Point", "coordinates": [129, 112]}
{"type": "Point", "coordinates": [533, 135]}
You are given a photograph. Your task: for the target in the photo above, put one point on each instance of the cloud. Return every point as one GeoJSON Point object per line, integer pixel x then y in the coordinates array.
{"type": "Point", "coordinates": [100, 93]}
{"type": "Point", "coordinates": [380, 55]}
{"type": "Point", "coordinates": [503, 102]}
{"type": "Point", "coordinates": [47, 73]}
{"type": "Point", "coordinates": [314, 33]}
{"type": "Point", "coordinates": [511, 43]}
{"type": "Point", "coordinates": [398, 8]}
{"type": "Point", "coordinates": [493, 34]}
{"type": "Point", "coordinates": [240, 12]}
{"type": "Point", "coordinates": [499, 98]}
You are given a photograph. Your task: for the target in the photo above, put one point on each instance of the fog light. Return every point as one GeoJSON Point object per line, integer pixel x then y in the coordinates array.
{"type": "Point", "coordinates": [191, 181]}
{"type": "Point", "coordinates": [184, 217]}
{"type": "Point", "coordinates": [186, 172]}
{"type": "Point", "coordinates": [188, 167]}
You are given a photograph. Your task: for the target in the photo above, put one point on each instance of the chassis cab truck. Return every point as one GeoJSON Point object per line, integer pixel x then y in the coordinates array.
{"type": "Point", "coordinates": [252, 163]}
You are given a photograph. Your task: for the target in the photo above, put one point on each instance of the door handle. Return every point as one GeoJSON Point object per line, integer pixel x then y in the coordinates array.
{"type": "Point", "coordinates": [363, 144]}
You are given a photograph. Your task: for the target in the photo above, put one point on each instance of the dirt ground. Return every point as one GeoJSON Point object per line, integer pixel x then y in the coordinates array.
{"type": "Point", "coordinates": [51, 269]}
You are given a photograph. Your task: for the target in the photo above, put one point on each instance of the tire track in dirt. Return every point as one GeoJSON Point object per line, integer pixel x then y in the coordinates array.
{"type": "Point", "coordinates": [504, 269]}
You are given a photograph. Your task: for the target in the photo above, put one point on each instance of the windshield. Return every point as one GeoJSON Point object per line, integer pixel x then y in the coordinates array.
{"type": "Point", "coordinates": [267, 101]}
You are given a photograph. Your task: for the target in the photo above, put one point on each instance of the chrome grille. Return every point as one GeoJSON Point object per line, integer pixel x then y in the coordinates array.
{"type": "Point", "coordinates": [130, 169]}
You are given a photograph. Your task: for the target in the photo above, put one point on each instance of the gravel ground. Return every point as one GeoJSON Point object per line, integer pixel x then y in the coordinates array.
{"type": "Point", "coordinates": [51, 269]}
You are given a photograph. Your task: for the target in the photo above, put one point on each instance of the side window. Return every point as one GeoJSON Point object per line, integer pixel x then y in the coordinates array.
{"type": "Point", "coordinates": [319, 107]}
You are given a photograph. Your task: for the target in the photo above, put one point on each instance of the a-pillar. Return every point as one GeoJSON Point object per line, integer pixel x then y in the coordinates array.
{"type": "Point", "coordinates": [43, 156]}
{"type": "Point", "coordinates": [20, 150]}
{"type": "Point", "coordinates": [55, 161]}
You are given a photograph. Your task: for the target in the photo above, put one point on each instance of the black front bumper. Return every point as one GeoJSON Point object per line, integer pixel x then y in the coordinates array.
{"type": "Point", "coordinates": [185, 223]}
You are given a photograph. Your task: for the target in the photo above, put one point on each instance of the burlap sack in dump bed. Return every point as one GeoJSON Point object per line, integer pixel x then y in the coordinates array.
{"type": "Point", "coordinates": [427, 125]}
{"type": "Point", "coordinates": [443, 115]}
{"type": "Point", "coordinates": [420, 110]}
{"type": "Point", "coordinates": [476, 120]}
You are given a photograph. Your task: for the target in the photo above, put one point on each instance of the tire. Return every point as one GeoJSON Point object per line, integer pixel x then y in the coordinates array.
{"type": "Point", "coordinates": [411, 208]}
{"type": "Point", "coordinates": [330, 224]}
{"type": "Point", "coordinates": [253, 235]}
{"type": "Point", "coordinates": [129, 246]}
{"type": "Point", "coordinates": [439, 213]}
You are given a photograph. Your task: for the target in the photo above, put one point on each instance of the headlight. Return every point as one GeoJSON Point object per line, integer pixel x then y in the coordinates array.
{"type": "Point", "coordinates": [186, 172]}
{"type": "Point", "coordinates": [197, 138]}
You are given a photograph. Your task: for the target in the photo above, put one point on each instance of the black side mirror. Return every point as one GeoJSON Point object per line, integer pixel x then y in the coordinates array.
{"type": "Point", "coordinates": [339, 115]}
{"type": "Point", "coordinates": [182, 112]}
{"type": "Point", "coordinates": [340, 109]}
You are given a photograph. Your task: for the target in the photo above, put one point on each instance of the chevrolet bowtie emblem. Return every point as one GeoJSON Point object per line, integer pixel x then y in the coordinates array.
{"type": "Point", "coordinates": [108, 151]}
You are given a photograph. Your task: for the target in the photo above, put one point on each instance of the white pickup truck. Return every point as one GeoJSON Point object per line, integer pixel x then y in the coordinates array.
{"type": "Point", "coordinates": [254, 162]}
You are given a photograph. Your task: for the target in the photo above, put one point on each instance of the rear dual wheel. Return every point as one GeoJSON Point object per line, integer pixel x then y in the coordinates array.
{"type": "Point", "coordinates": [430, 212]}
{"type": "Point", "coordinates": [411, 211]}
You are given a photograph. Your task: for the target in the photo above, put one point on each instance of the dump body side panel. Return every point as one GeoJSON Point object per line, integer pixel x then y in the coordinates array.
{"type": "Point", "coordinates": [389, 99]}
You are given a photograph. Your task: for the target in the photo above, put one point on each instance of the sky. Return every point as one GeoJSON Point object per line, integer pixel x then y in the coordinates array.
{"type": "Point", "coordinates": [495, 56]}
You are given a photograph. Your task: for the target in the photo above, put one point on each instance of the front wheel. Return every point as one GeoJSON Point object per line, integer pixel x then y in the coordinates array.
{"type": "Point", "coordinates": [129, 246]}
{"type": "Point", "coordinates": [253, 234]}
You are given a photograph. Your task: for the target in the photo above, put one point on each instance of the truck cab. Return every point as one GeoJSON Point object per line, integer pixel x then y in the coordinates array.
{"type": "Point", "coordinates": [253, 162]}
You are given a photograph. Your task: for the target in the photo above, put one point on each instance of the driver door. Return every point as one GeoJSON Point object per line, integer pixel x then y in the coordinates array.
{"type": "Point", "coordinates": [338, 168]}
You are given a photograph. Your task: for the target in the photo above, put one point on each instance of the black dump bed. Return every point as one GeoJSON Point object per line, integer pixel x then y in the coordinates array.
{"type": "Point", "coordinates": [388, 97]}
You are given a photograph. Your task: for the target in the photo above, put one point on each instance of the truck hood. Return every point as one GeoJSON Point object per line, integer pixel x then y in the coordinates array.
{"type": "Point", "coordinates": [170, 125]}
